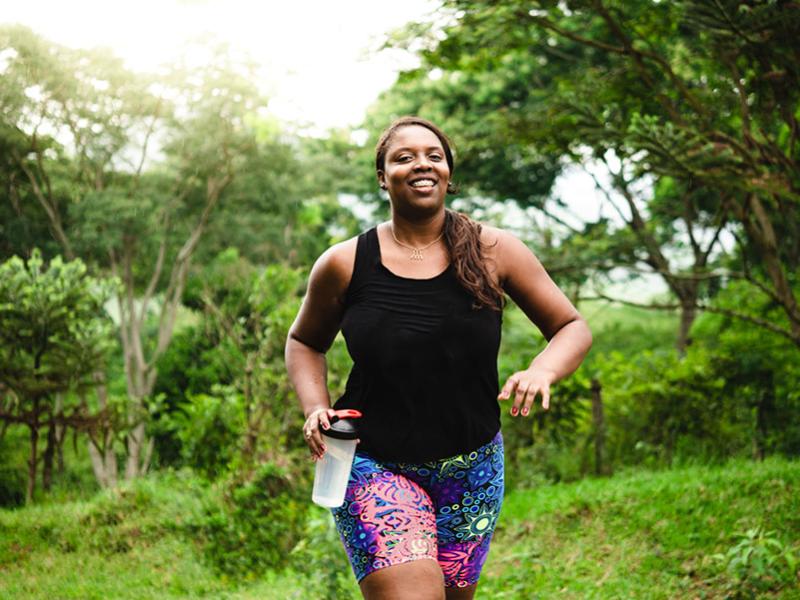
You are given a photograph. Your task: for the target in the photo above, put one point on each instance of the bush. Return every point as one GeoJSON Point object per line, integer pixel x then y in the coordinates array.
{"type": "Point", "coordinates": [257, 524]}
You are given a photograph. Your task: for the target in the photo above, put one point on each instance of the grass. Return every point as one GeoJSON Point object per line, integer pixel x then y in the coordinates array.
{"type": "Point", "coordinates": [643, 534]}
{"type": "Point", "coordinates": [640, 534]}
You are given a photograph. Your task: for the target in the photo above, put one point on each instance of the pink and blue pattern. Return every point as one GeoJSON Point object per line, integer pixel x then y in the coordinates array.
{"type": "Point", "coordinates": [445, 510]}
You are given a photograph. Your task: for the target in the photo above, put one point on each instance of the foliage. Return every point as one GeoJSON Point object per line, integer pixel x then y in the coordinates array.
{"type": "Point", "coordinates": [758, 563]}
{"type": "Point", "coordinates": [129, 172]}
{"type": "Point", "coordinates": [320, 552]}
{"type": "Point", "coordinates": [54, 336]}
{"type": "Point", "coordinates": [53, 328]}
{"type": "Point", "coordinates": [689, 107]}
{"type": "Point", "coordinates": [258, 524]}
{"type": "Point", "coordinates": [207, 429]}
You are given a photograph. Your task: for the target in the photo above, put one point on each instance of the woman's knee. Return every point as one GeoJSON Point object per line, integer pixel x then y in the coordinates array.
{"type": "Point", "coordinates": [419, 579]}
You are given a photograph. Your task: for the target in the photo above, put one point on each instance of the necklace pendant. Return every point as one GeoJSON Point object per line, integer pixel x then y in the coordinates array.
{"type": "Point", "coordinates": [416, 254]}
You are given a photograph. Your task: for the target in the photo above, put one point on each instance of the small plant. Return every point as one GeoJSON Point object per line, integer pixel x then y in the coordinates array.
{"type": "Point", "coordinates": [759, 562]}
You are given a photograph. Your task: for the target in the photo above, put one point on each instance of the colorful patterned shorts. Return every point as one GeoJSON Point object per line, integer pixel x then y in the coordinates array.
{"type": "Point", "coordinates": [445, 510]}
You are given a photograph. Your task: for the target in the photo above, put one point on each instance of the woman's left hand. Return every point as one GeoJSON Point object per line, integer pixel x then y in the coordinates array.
{"type": "Point", "coordinates": [525, 385]}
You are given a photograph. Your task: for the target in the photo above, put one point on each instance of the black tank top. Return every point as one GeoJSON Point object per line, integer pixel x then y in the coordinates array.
{"type": "Point", "coordinates": [424, 370]}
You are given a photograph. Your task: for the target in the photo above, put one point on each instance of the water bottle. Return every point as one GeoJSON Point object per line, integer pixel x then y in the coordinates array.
{"type": "Point", "coordinates": [333, 469]}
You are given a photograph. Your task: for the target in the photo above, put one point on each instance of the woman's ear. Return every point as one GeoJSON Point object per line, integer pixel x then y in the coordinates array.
{"type": "Point", "coordinates": [381, 180]}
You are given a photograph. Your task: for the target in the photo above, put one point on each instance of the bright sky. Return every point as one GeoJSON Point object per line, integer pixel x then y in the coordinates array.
{"type": "Point", "coordinates": [318, 56]}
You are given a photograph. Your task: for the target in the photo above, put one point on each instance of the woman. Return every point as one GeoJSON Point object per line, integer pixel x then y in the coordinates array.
{"type": "Point", "coordinates": [419, 300]}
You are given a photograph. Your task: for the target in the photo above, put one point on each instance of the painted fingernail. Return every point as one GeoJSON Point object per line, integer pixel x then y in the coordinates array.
{"type": "Point", "coordinates": [325, 426]}
{"type": "Point", "coordinates": [524, 412]}
{"type": "Point", "coordinates": [514, 412]}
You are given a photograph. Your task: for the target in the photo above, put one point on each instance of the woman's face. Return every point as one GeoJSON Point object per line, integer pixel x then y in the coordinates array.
{"type": "Point", "coordinates": [415, 171]}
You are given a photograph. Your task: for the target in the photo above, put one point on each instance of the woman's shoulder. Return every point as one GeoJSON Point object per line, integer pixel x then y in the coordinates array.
{"type": "Point", "coordinates": [502, 248]}
{"type": "Point", "coordinates": [336, 264]}
{"type": "Point", "coordinates": [495, 236]}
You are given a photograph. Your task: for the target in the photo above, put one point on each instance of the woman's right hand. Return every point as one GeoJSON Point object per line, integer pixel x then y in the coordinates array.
{"type": "Point", "coordinates": [317, 420]}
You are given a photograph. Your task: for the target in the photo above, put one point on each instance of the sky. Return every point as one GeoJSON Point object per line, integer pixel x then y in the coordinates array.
{"type": "Point", "coordinates": [319, 61]}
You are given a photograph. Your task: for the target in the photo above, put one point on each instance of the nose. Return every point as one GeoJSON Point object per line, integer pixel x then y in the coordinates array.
{"type": "Point", "coordinates": [422, 163]}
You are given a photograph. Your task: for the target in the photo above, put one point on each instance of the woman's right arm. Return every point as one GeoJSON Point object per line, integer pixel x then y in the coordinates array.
{"type": "Point", "coordinates": [312, 333]}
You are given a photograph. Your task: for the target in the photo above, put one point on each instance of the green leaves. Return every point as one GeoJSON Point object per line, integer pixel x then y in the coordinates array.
{"type": "Point", "coordinates": [758, 562]}
{"type": "Point", "coordinates": [54, 331]}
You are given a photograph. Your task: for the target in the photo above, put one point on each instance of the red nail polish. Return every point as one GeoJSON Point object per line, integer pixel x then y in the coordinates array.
{"type": "Point", "coordinates": [524, 412]}
{"type": "Point", "coordinates": [514, 412]}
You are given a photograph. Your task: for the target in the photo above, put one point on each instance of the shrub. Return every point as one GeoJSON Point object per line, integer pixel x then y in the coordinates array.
{"type": "Point", "coordinates": [257, 524]}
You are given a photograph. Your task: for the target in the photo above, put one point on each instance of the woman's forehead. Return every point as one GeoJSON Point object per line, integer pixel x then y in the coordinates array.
{"type": "Point", "coordinates": [414, 136]}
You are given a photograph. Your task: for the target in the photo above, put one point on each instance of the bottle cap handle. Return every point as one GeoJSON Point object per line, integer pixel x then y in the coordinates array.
{"type": "Point", "coordinates": [345, 413]}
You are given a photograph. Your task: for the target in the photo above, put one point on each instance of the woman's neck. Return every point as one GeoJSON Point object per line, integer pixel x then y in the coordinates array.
{"type": "Point", "coordinates": [417, 232]}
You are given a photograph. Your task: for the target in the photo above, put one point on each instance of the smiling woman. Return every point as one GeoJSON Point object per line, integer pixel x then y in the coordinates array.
{"type": "Point", "coordinates": [419, 300]}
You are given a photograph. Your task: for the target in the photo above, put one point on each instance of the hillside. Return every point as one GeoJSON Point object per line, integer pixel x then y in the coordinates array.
{"type": "Point", "coordinates": [639, 534]}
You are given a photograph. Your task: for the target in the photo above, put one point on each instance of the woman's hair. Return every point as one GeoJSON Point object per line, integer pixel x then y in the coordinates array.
{"type": "Point", "coordinates": [462, 235]}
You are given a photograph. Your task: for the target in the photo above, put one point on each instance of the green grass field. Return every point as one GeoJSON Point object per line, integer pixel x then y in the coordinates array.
{"type": "Point", "coordinates": [637, 535]}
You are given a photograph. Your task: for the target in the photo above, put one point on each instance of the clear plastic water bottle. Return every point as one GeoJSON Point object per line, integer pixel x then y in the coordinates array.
{"type": "Point", "coordinates": [333, 469]}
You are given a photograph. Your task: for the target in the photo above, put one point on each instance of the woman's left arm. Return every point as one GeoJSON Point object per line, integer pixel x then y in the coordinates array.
{"type": "Point", "coordinates": [527, 283]}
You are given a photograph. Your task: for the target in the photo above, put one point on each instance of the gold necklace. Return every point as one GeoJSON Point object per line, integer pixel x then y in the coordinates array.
{"type": "Point", "coordinates": [416, 253]}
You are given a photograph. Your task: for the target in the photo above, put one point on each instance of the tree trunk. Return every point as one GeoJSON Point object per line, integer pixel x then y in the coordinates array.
{"type": "Point", "coordinates": [104, 462]}
{"type": "Point", "coordinates": [764, 410]}
{"type": "Point", "coordinates": [33, 461]}
{"type": "Point", "coordinates": [136, 442]}
{"type": "Point", "coordinates": [759, 229]}
{"type": "Point", "coordinates": [61, 432]}
{"type": "Point", "coordinates": [599, 422]}
{"type": "Point", "coordinates": [101, 452]}
{"type": "Point", "coordinates": [688, 314]}
{"type": "Point", "coordinates": [47, 457]}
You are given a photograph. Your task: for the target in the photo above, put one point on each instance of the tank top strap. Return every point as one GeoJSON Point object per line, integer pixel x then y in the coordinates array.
{"type": "Point", "coordinates": [372, 249]}
{"type": "Point", "coordinates": [367, 259]}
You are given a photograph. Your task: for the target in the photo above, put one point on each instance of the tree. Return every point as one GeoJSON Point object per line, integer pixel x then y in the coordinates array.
{"type": "Point", "coordinates": [703, 93]}
{"type": "Point", "coordinates": [54, 334]}
{"type": "Point", "coordinates": [128, 171]}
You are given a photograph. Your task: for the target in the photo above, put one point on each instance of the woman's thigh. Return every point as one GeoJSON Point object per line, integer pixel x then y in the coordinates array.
{"type": "Point", "coordinates": [398, 513]}
{"type": "Point", "coordinates": [386, 520]}
{"type": "Point", "coordinates": [467, 493]}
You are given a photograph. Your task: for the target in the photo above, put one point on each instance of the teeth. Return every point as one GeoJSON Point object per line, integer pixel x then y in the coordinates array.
{"type": "Point", "coordinates": [422, 182]}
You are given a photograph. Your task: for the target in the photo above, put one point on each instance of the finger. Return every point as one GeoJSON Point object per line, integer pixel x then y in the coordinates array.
{"type": "Point", "coordinates": [528, 403]}
{"type": "Point", "coordinates": [313, 438]}
{"type": "Point", "coordinates": [546, 398]}
{"type": "Point", "coordinates": [508, 389]}
{"type": "Point", "coordinates": [319, 443]}
{"type": "Point", "coordinates": [519, 398]}
{"type": "Point", "coordinates": [325, 419]}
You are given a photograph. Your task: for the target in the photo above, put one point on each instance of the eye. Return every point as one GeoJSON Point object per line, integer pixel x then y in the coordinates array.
{"type": "Point", "coordinates": [403, 158]}
{"type": "Point", "coordinates": [436, 156]}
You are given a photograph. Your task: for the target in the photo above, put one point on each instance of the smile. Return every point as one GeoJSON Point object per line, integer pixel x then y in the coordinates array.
{"type": "Point", "coordinates": [423, 183]}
